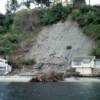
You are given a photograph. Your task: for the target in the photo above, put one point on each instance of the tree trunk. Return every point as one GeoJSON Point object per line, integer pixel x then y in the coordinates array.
{"type": "Point", "coordinates": [78, 3]}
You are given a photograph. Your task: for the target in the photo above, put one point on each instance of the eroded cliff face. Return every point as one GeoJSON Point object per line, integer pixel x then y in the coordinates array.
{"type": "Point", "coordinates": [59, 43]}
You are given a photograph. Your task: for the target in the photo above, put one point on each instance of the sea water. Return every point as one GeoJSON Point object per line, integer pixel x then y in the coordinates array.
{"type": "Point", "coordinates": [50, 91]}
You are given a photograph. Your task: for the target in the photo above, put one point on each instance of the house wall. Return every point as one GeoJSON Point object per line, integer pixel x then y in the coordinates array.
{"type": "Point", "coordinates": [74, 65]}
{"type": "Point", "coordinates": [91, 64]}
{"type": "Point", "coordinates": [96, 71]}
{"type": "Point", "coordinates": [5, 69]}
{"type": "Point", "coordinates": [84, 71]}
{"type": "Point", "coordinates": [87, 68]}
{"type": "Point", "coordinates": [8, 69]}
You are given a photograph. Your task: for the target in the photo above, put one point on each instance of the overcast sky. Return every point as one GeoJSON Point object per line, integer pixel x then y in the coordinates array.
{"type": "Point", "coordinates": [3, 2]}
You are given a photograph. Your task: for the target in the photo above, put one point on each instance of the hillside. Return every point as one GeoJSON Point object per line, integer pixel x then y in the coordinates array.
{"type": "Point", "coordinates": [38, 38]}
{"type": "Point", "coordinates": [53, 41]}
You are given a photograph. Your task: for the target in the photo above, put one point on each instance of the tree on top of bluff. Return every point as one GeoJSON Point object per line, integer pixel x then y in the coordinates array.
{"type": "Point", "coordinates": [11, 5]}
{"type": "Point", "coordinates": [78, 3]}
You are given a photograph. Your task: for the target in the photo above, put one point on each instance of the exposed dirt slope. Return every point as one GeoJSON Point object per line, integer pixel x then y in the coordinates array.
{"type": "Point", "coordinates": [52, 43]}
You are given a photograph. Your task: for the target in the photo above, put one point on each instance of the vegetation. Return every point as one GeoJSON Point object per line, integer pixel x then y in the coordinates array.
{"type": "Point", "coordinates": [93, 30]}
{"type": "Point", "coordinates": [55, 14]}
{"type": "Point", "coordinates": [15, 26]}
{"type": "Point", "coordinates": [96, 50]}
{"type": "Point", "coordinates": [88, 18]}
{"type": "Point", "coordinates": [8, 39]}
{"type": "Point", "coordinates": [85, 15]}
{"type": "Point", "coordinates": [12, 5]}
{"type": "Point", "coordinates": [26, 21]}
{"type": "Point", "coordinates": [78, 3]}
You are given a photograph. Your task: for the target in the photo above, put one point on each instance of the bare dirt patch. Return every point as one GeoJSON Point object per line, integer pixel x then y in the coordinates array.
{"type": "Point", "coordinates": [53, 42]}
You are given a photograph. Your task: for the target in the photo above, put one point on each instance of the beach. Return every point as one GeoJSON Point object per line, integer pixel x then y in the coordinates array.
{"type": "Point", "coordinates": [18, 78]}
{"type": "Point", "coordinates": [15, 78]}
{"type": "Point", "coordinates": [81, 79]}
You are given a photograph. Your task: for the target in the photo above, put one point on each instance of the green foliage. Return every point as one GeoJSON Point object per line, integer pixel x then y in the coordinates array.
{"type": "Point", "coordinates": [93, 31]}
{"type": "Point", "coordinates": [1, 29]}
{"type": "Point", "coordinates": [12, 25]}
{"type": "Point", "coordinates": [54, 14]}
{"type": "Point", "coordinates": [96, 50]}
{"type": "Point", "coordinates": [8, 21]}
{"type": "Point", "coordinates": [89, 19]}
{"type": "Point", "coordinates": [96, 20]}
{"type": "Point", "coordinates": [86, 8]}
{"type": "Point", "coordinates": [15, 26]}
{"type": "Point", "coordinates": [76, 14]}
{"type": "Point", "coordinates": [13, 38]}
{"type": "Point", "coordinates": [11, 6]}
{"type": "Point", "coordinates": [85, 15]}
{"type": "Point", "coordinates": [8, 38]}
{"type": "Point", "coordinates": [78, 3]}
{"type": "Point", "coordinates": [5, 22]}
{"type": "Point", "coordinates": [2, 18]}
{"type": "Point", "coordinates": [7, 42]}
{"type": "Point", "coordinates": [26, 21]}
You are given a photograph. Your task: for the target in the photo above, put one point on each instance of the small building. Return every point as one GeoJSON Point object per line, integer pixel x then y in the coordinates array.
{"type": "Point", "coordinates": [4, 67]}
{"type": "Point", "coordinates": [84, 65]}
{"type": "Point", "coordinates": [96, 70]}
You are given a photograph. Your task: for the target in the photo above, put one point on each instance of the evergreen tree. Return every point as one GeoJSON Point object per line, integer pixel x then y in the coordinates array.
{"type": "Point", "coordinates": [14, 5]}
{"type": "Point", "coordinates": [11, 5]}
{"type": "Point", "coordinates": [78, 3]}
{"type": "Point", "coordinates": [27, 3]}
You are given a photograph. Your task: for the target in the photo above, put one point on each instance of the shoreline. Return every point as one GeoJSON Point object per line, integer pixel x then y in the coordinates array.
{"type": "Point", "coordinates": [82, 79]}
{"type": "Point", "coordinates": [15, 78]}
{"type": "Point", "coordinates": [18, 78]}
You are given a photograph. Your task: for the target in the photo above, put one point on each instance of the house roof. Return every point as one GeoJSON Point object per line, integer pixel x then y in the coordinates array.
{"type": "Point", "coordinates": [3, 60]}
{"type": "Point", "coordinates": [84, 59]}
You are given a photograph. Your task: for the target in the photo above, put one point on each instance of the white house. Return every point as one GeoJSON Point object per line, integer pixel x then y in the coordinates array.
{"type": "Point", "coordinates": [4, 67]}
{"type": "Point", "coordinates": [96, 70]}
{"type": "Point", "coordinates": [84, 65]}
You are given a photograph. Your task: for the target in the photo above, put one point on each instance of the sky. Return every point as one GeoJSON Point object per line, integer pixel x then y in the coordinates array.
{"type": "Point", "coordinates": [3, 3]}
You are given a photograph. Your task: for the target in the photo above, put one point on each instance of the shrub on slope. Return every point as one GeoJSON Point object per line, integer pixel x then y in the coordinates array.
{"type": "Point", "coordinates": [88, 18]}
{"type": "Point", "coordinates": [55, 14]}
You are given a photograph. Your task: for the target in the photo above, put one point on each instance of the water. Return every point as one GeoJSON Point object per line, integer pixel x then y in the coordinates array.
{"type": "Point", "coordinates": [49, 91]}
